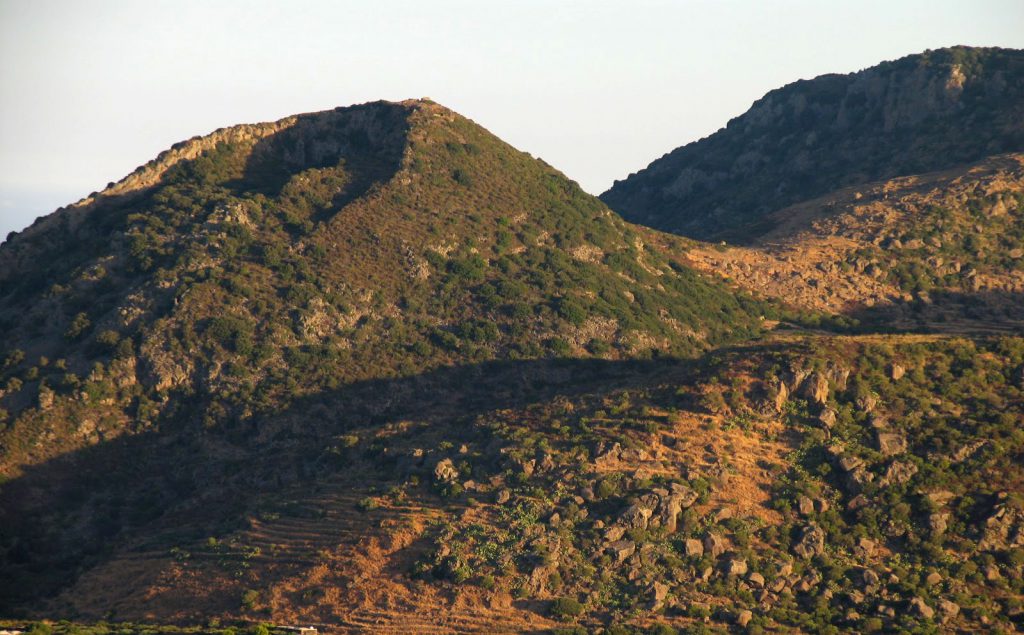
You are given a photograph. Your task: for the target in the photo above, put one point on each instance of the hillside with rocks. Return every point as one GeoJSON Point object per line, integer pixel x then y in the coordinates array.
{"type": "Point", "coordinates": [918, 114]}
{"type": "Point", "coordinates": [942, 251]}
{"type": "Point", "coordinates": [374, 370]}
{"type": "Point", "coordinates": [270, 262]}
{"type": "Point", "coordinates": [173, 347]}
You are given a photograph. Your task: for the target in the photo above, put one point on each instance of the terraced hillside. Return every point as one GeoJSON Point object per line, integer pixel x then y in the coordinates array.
{"type": "Point", "coordinates": [866, 483]}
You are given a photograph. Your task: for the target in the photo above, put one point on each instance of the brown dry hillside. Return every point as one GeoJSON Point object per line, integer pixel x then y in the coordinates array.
{"type": "Point", "coordinates": [479, 500]}
{"type": "Point", "coordinates": [943, 249]}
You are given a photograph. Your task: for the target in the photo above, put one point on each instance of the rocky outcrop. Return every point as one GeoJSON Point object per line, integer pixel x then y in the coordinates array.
{"type": "Point", "coordinates": [659, 508]}
{"type": "Point", "coordinates": [445, 471]}
{"type": "Point", "coordinates": [890, 443]}
{"type": "Point", "coordinates": [897, 473]}
{"type": "Point", "coordinates": [622, 549]}
{"type": "Point", "coordinates": [810, 543]}
{"type": "Point", "coordinates": [1003, 529]}
{"type": "Point", "coordinates": [693, 547]}
{"type": "Point", "coordinates": [815, 388]}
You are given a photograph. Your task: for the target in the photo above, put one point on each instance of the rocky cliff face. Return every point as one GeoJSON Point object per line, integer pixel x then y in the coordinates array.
{"type": "Point", "coordinates": [917, 114]}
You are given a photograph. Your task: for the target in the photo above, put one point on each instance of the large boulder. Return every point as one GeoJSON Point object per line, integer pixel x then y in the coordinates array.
{"type": "Point", "coordinates": [693, 547]}
{"type": "Point", "coordinates": [794, 378]}
{"type": "Point", "coordinates": [919, 608]}
{"type": "Point", "coordinates": [714, 545]}
{"type": "Point", "coordinates": [811, 542]}
{"type": "Point", "coordinates": [890, 443]}
{"type": "Point", "coordinates": [838, 375]}
{"type": "Point", "coordinates": [778, 394]}
{"type": "Point", "coordinates": [669, 511]}
{"type": "Point", "coordinates": [636, 516]}
{"type": "Point", "coordinates": [805, 505]}
{"type": "Point", "coordinates": [815, 388]}
{"type": "Point", "coordinates": [686, 495]}
{"type": "Point", "coordinates": [658, 594]}
{"type": "Point", "coordinates": [948, 610]}
{"type": "Point", "coordinates": [613, 534]}
{"type": "Point", "coordinates": [445, 472]}
{"type": "Point", "coordinates": [937, 524]}
{"type": "Point", "coordinates": [622, 550]}
{"type": "Point", "coordinates": [743, 618]}
{"type": "Point", "coordinates": [854, 481]}
{"type": "Point", "coordinates": [897, 473]}
{"type": "Point", "coordinates": [736, 567]}
{"type": "Point", "coordinates": [870, 578]}
{"type": "Point", "coordinates": [867, 402]}
{"type": "Point", "coordinates": [605, 454]}
{"type": "Point", "coordinates": [849, 463]}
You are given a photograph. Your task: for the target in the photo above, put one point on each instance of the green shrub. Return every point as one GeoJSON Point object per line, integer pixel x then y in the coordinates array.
{"type": "Point", "coordinates": [79, 325]}
{"type": "Point", "coordinates": [250, 598]}
{"type": "Point", "coordinates": [368, 504]}
{"type": "Point", "coordinates": [566, 608]}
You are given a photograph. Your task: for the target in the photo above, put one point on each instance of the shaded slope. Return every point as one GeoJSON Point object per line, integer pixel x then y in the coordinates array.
{"type": "Point", "coordinates": [913, 115]}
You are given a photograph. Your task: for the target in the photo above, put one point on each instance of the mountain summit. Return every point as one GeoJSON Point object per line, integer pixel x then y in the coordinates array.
{"type": "Point", "coordinates": [264, 266]}
{"type": "Point", "coordinates": [917, 114]}
{"type": "Point", "coordinates": [395, 225]}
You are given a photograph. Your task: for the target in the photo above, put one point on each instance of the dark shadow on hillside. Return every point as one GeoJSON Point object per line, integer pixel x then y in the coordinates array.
{"type": "Point", "coordinates": [367, 140]}
{"type": "Point", "coordinates": [182, 482]}
{"type": "Point", "coordinates": [989, 312]}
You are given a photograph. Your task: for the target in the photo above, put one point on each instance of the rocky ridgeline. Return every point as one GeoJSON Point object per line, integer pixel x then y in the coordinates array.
{"type": "Point", "coordinates": [913, 115]}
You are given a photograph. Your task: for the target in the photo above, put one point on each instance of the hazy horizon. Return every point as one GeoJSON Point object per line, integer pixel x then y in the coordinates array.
{"type": "Point", "coordinates": [90, 90]}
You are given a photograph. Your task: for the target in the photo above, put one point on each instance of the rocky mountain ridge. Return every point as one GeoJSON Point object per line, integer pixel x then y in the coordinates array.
{"type": "Point", "coordinates": [918, 114]}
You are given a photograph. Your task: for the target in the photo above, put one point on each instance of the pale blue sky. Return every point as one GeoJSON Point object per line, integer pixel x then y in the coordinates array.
{"type": "Point", "coordinates": [90, 89]}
